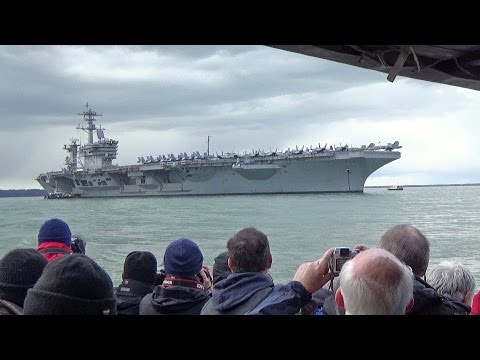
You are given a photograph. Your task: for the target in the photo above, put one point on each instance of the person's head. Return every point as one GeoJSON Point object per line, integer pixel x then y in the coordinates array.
{"type": "Point", "coordinates": [183, 258]}
{"type": "Point", "coordinates": [375, 283]}
{"type": "Point", "coordinates": [19, 271]}
{"type": "Point", "coordinates": [220, 267]}
{"type": "Point", "coordinates": [55, 230]}
{"type": "Point", "coordinates": [453, 279]}
{"type": "Point", "coordinates": [249, 251]}
{"type": "Point", "coordinates": [71, 285]}
{"type": "Point", "coordinates": [140, 266]}
{"type": "Point", "coordinates": [409, 245]}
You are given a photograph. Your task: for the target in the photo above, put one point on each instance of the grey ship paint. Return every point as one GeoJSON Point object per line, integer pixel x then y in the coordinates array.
{"type": "Point", "coordinates": [89, 171]}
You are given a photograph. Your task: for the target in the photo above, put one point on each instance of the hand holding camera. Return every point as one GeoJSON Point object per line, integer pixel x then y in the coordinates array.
{"type": "Point", "coordinates": [161, 275]}
{"type": "Point", "coordinates": [205, 278]}
{"type": "Point", "coordinates": [314, 275]}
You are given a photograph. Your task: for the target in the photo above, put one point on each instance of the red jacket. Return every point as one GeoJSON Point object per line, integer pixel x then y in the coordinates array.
{"type": "Point", "coordinates": [49, 250]}
{"type": "Point", "coordinates": [476, 304]}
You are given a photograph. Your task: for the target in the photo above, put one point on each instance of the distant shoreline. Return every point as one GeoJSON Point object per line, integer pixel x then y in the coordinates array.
{"type": "Point", "coordinates": [22, 192]}
{"type": "Point", "coordinates": [433, 185]}
{"type": "Point", "coordinates": [42, 193]}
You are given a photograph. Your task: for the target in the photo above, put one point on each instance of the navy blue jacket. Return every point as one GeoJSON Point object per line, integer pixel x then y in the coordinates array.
{"type": "Point", "coordinates": [255, 293]}
{"type": "Point", "coordinates": [283, 300]}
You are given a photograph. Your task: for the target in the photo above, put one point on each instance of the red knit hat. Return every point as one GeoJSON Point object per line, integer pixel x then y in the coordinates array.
{"type": "Point", "coordinates": [476, 304]}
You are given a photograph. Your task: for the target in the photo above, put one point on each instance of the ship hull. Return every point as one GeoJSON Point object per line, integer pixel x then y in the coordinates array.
{"type": "Point", "coordinates": [338, 171]}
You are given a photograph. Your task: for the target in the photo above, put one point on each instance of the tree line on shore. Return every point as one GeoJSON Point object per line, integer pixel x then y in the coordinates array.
{"type": "Point", "coordinates": [22, 193]}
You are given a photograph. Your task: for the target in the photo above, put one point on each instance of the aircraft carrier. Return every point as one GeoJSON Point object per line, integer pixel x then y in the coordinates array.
{"type": "Point", "coordinates": [90, 173]}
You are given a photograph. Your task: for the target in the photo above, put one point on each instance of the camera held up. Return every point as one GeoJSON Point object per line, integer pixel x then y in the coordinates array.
{"type": "Point", "coordinates": [78, 244]}
{"type": "Point", "coordinates": [339, 257]}
{"type": "Point", "coordinates": [207, 273]}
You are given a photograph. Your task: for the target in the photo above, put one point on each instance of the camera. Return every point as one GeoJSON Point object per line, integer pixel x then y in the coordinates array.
{"type": "Point", "coordinates": [160, 276]}
{"type": "Point", "coordinates": [339, 257]}
{"type": "Point", "coordinates": [78, 244]}
{"type": "Point", "coordinates": [207, 273]}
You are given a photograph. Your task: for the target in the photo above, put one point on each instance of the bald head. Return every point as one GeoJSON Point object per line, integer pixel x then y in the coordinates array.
{"type": "Point", "coordinates": [409, 245]}
{"type": "Point", "coordinates": [376, 283]}
{"type": "Point", "coordinates": [370, 262]}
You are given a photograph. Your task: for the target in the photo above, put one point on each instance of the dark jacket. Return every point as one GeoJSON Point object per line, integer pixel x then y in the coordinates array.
{"type": "Point", "coordinates": [321, 295]}
{"type": "Point", "coordinates": [460, 308]}
{"type": "Point", "coordinates": [129, 294]}
{"type": "Point", "coordinates": [174, 300]}
{"type": "Point", "coordinates": [322, 303]}
{"type": "Point", "coordinates": [427, 301]}
{"type": "Point", "coordinates": [9, 308]}
{"type": "Point", "coordinates": [238, 293]}
{"type": "Point", "coordinates": [254, 294]}
{"type": "Point", "coordinates": [283, 300]}
{"type": "Point", "coordinates": [330, 306]}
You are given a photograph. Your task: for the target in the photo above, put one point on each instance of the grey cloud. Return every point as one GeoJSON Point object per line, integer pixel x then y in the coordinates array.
{"type": "Point", "coordinates": [241, 95]}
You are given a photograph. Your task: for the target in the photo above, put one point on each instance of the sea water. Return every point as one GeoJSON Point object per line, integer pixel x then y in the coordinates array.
{"type": "Point", "coordinates": [299, 227]}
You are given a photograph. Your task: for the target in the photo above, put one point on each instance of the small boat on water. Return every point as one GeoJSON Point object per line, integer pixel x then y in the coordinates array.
{"type": "Point", "coordinates": [396, 187]}
{"type": "Point", "coordinates": [59, 194]}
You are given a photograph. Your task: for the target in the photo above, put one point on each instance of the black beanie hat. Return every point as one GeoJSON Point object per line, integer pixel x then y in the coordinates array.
{"type": "Point", "coordinates": [220, 267]}
{"type": "Point", "coordinates": [140, 266]}
{"type": "Point", "coordinates": [71, 285]}
{"type": "Point", "coordinates": [19, 271]}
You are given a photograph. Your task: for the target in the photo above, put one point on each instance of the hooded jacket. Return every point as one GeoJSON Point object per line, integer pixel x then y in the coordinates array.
{"type": "Point", "coordinates": [174, 300]}
{"type": "Point", "coordinates": [254, 293]}
{"type": "Point", "coordinates": [129, 294]}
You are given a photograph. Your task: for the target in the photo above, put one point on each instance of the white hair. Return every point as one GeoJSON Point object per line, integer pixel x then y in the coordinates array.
{"type": "Point", "coordinates": [385, 288]}
{"type": "Point", "coordinates": [453, 279]}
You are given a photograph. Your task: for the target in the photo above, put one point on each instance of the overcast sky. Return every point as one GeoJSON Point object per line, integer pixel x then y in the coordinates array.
{"type": "Point", "coordinates": [168, 99]}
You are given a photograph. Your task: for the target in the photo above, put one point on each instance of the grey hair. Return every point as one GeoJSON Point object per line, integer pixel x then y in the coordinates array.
{"type": "Point", "coordinates": [453, 279]}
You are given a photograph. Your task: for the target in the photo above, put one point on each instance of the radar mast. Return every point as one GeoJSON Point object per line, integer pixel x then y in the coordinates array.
{"type": "Point", "coordinates": [89, 117]}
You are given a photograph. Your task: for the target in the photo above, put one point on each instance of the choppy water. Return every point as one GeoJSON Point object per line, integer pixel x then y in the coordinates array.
{"type": "Point", "coordinates": [299, 227]}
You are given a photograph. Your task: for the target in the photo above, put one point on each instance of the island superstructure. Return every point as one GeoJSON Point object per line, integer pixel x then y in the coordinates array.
{"type": "Point", "coordinates": [90, 172]}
